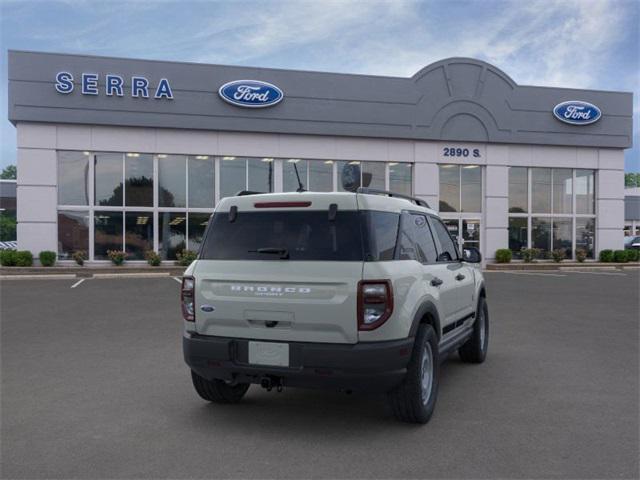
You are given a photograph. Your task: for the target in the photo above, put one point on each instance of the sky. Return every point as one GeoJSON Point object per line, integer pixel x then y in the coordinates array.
{"type": "Point", "coordinates": [567, 43]}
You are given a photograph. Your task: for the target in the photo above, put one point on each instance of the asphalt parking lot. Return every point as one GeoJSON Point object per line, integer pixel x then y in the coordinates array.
{"type": "Point", "coordinates": [94, 386]}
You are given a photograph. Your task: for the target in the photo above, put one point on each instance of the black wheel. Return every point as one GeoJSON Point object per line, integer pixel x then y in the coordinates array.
{"type": "Point", "coordinates": [218, 391]}
{"type": "Point", "coordinates": [414, 399]}
{"type": "Point", "coordinates": [475, 349]}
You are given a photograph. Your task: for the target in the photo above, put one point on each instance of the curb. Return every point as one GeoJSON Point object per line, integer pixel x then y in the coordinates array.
{"type": "Point", "coordinates": [496, 267]}
{"type": "Point", "coordinates": [89, 272]}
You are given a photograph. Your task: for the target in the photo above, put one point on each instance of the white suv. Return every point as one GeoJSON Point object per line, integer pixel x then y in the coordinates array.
{"type": "Point", "coordinates": [360, 291]}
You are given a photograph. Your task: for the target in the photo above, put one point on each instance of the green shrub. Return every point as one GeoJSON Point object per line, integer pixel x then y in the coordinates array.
{"type": "Point", "coordinates": [620, 256]}
{"type": "Point", "coordinates": [24, 258]}
{"type": "Point", "coordinates": [558, 255]}
{"type": "Point", "coordinates": [503, 255]}
{"type": "Point", "coordinates": [79, 256]}
{"type": "Point", "coordinates": [47, 258]}
{"type": "Point", "coordinates": [581, 254]}
{"type": "Point", "coordinates": [153, 258]}
{"type": "Point", "coordinates": [7, 258]}
{"type": "Point", "coordinates": [527, 255]}
{"type": "Point", "coordinates": [606, 256]}
{"type": "Point", "coordinates": [633, 255]}
{"type": "Point", "coordinates": [117, 256]}
{"type": "Point", "coordinates": [186, 257]}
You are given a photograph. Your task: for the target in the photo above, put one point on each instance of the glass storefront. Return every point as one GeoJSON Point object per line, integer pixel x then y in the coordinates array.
{"type": "Point", "coordinates": [163, 202]}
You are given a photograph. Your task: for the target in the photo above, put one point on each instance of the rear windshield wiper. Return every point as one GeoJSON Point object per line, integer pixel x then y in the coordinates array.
{"type": "Point", "coordinates": [283, 252]}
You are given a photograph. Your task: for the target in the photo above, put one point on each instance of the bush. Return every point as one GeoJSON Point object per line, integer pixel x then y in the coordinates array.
{"type": "Point", "coordinates": [7, 258]}
{"type": "Point", "coordinates": [530, 254]}
{"type": "Point", "coordinates": [153, 258]}
{"type": "Point", "coordinates": [47, 258]}
{"type": "Point", "coordinates": [606, 256]}
{"type": "Point", "coordinates": [581, 254]}
{"type": "Point", "coordinates": [24, 258]}
{"type": "Point", "coordinates": [558, 255]}
{"type": "Point", "coordinates": [620, 256]}
{"type": "Point", "coordinates": [186, 257]}
{"type": "Point", "coordinates": [633, 255]}
{"type": "Point", "coordinates": [503, 255]}
{"type": "Point", "coordinates": [79, 256]}
{"type": "Point", "coordinates": [117, 256]}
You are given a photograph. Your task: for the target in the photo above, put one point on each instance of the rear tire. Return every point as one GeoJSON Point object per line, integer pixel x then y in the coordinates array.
{"type": "Point", "coordinates": [475, 349]}
{"type": "Point", "coordinates": [218, 391]}
{"type": "Point", "coordinates": [414, 400]}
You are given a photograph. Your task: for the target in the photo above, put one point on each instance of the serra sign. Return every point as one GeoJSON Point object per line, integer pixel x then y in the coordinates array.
{"type": "Point", "coordinates": [113, 85]}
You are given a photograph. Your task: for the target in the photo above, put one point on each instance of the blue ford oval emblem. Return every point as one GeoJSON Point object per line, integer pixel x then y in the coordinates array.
{"type": "Point", "coordinates": [207, 308]}
{"type": "Point", "coordinates": [250, 93]}
{"type": "Point", "coordinates": [577, 112]}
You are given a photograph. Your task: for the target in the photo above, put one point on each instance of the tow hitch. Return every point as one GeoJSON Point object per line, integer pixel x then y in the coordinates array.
{"type": "Point", "coordinates": [269, 382]}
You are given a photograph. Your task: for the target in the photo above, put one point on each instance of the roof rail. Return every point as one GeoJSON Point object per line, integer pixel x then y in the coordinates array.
{"type": "Point", "coordinates": [243, 193]}
{"type": "Point", "coordinates": [374, 191]}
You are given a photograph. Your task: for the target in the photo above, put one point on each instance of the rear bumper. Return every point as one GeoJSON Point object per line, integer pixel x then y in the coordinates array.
{"type": "Point", "coordinates": [375, 366]}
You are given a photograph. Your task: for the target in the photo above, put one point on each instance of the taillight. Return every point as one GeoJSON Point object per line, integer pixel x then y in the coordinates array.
{"type": "Point", "coordinates": [375, 303]}
{"type": "Point", "coordinates": [186, 299]}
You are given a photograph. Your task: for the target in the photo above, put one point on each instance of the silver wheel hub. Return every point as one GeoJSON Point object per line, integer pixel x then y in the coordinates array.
{"type": "Point", "coordinates": [427, 373]}
{"type": "Point", "coordinates": [483, 329]}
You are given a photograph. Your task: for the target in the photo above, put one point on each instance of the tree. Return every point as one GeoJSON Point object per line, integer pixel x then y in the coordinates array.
{"type": "Point", "coordinates": [9, 173]}
{"type": "Point", "coordinates": [631, 180]}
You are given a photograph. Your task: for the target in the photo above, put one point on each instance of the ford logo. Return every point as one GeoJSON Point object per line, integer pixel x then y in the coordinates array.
{"type": "Point", "coordinates": [576, 112]}
{"type": "Point", "coordinates": [250, 93]}
{"type": "Point", "coordinates": [207, 308]}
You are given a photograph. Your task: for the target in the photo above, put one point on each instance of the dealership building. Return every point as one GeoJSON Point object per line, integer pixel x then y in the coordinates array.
{"type": "Point", "coordinates": [133, 155]}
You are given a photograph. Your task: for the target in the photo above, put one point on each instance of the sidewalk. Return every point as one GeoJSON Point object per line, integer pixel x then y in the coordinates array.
{"type": "Point", "coordinates": [90, 271]}
{"type": "Point", "coordinates": [562, 266]}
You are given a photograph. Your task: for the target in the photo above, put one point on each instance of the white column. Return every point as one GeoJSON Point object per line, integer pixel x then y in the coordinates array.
{"type": "Point", "coordinates": [496, 209]}
{"type": "Point", "coordinates": [610, 200]}
{"type": "Point", "coordinates": [37, 188]}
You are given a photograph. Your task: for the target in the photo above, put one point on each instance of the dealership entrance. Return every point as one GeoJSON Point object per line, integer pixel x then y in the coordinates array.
{"type": "Point", "coordinates": [465, 231]}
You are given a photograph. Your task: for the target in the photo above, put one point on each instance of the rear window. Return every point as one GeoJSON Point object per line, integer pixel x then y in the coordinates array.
{"type": "Point", "coordinates": [303, 235]}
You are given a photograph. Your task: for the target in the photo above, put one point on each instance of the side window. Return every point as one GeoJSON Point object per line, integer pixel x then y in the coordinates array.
{"type": "Point", "coordinates": [416, 241]}
{"type": "Point", "coordinates": [449, 251]}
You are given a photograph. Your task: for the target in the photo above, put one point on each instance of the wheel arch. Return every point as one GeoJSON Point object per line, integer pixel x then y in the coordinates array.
{"type": "Point", "coordinates": [426, 314]}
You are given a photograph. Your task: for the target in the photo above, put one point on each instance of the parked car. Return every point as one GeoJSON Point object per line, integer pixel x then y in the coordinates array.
{"type": "Point", "coordinates": [360, 291]}
{"type": "Point", "coordinates": [632, 242]}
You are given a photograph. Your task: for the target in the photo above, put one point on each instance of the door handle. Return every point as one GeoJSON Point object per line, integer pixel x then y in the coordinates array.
{"type": "Point", "coordinates": [460, 277]}
{"type": "Point", "coordinates": [436, 282]}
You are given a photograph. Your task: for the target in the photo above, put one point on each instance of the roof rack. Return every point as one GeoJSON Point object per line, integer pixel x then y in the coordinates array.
{"type": "Point", "coordinates": [374, 191]}
{"type": "Point", "coordinates": [243, 193]}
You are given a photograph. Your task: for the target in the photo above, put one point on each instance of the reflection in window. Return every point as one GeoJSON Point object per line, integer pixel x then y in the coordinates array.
{"type": "Point", "coordinates": [108, 179]}
{"type": "Point", "coordinates": [197, 224]}
{"type": "Point", "coordinates": [73, 233]}
{"type": "Point", "coordinates": [562, 235]}
{"type": "Point", "coordinates": [585, 192]}
{"type": "Point", "coordinates": [471, 188]}
{"type": "Point", "coordinates": [517, 235]}
{"type": "Point", "coordinates": [541, 190]}
{"type": "Point", "coordinates": [585, 235]}
{"type": "Point", "coordinates": [260, 174]}
{"type": "Point", "coordinates": [108, 233]}
{"type": "Point", "coordinates": [320, 175]}
{"type": "Point", "coordinates": [541, 235]}
{"type": "Point", "coordinates": [172, 234]}
{"type": "Point", "coordinates": [518, 190]}
{"type": "Point", "coordinates": [171, 180]}
{"type": "Point", "coordinates": [562, 190]}
{"type": "Point", "coordinates": [233, 176]}
{"type": "Point", "coordinates": [289, 178]}
{"type": "Point", "coordinates": [449, 188]}
{"type": "Point", "coordinates": [201, 182]}
{"type": "Point", "coordinates": [400, 178]}
{"type": "Point", "coordinates": [73, 178]}
{"type": "Point", "coordinates": [138, 234]}
{"type": "Point", "coordinates": [341, 165]}
{"type": "Point", "coordinates": [373, 175]}
{"type": "Point", "coordinates": [138, 172]}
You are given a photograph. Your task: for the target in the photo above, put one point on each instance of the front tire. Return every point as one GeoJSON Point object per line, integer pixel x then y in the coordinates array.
{"type": "Point", "coordinates": [414, 400]}
{"type": "Point", "coordinates": [218, 391]}
{"type": "Point", "coordinates": [475, 349]}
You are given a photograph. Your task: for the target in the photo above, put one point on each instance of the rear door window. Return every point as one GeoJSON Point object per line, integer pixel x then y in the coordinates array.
{"type": "Point", "coordinates": [415, 241]}
{"type": "Point", "coordinates": [448, 250]}
{"type": "Point", "coordinates": [304, 235]}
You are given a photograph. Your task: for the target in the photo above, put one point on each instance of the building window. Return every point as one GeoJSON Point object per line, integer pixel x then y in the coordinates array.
{"type": "Point", "coordinates": [172, 234]}
{"type": "Point", "coordinates": [108, 173]}
{"type": "Point", "coordinates": [260, 174]}
{"type": "Point", "coordinates": [197, 223]}
{"type": "Point", "coordinates": [460, 188]}
{"type": "Point", "coordinates": [237, 173]}
{"type": "Point", "coordinates": [201, 182]}
{"type": "Point", "coordinates": [138, 237]}
{"type": "Point", "coordinates": [172, 189]}
{"type": "Point", "coordinates": [373, 175]}
{"type": "Point", "coordinates": [562, 206]}
{"type": "Point", "coordinates": [73, 178]}
{"type": "Point", "coordinates": [138, 174]}
{"type": "Point", "coordinates": [400, 176]}
{"type": "Point", "coordinates": [73, 232]}
{"type": "Point", "coordinates": [320, 175]}
{"type": "Point", "coordinates": [108, 233]}
{"type": "Point", "coordinates": [289, 177]}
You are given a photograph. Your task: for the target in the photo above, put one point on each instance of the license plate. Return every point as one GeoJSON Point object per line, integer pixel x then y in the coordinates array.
{"type": "Point", "coordinates": [269, 353]}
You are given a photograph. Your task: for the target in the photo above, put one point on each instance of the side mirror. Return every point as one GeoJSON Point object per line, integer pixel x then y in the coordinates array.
{"type": "Point", "coordinates": [471, 255]}
{"type": "Point", "coordinates": [350, 177]}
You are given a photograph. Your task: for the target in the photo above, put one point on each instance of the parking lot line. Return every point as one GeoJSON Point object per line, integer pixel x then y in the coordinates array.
{"type": "Point", "coordinates": [78, 283]}
{"type": "Point", "coordinates": [534, 273]}
{"type": "Point", "coordinates": [177, 280]}
{"type": "Point", "coordinates": [599, 273]}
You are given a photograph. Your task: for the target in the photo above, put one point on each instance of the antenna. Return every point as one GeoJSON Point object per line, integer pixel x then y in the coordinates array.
{"type": "Point", "coordinates": [300, 186]}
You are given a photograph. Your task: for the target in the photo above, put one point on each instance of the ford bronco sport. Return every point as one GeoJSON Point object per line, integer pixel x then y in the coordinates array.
{"type": "Point", "coordinates": [362, 291]}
